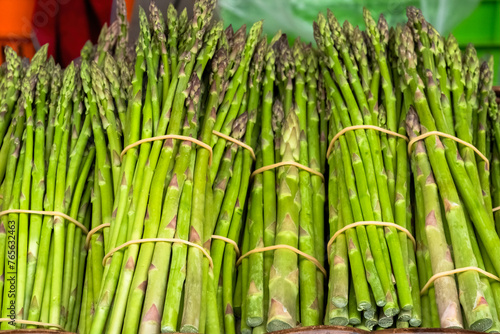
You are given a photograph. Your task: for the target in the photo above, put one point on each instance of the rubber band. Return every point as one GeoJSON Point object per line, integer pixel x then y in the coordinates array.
{"type": "Point", "coordinates": [496, 209]}
{"type": "Point", "coordinates": [237, 142]}
{"type": "Point", "coordinates": [47, 213]}
{"type": "Point", "coordinates": [229, 241]}
{"type": "Point", "coordinates": [361, 127]}
{"type": "Point", "coordinates": [456, 271]}
{"type": "Point", "coordinates": [287, 163]}
{"type": "Point", "coordinates": [458, 140]}
{"type": "Point", "coordinates": [173, 240]}
{"type": "Point", "coordinates": [375, 223]}
{"type": "Point", "coordinates": [34, 323]}
{"type": "Point", "coordinates": [293, 249]}
{"type": "Point", "coordinates": [93, 231]}
{"type": "Point", "coordinates": [186, 138]}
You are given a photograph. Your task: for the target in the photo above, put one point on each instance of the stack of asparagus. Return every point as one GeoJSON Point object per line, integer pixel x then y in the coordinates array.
{"type": "Point", "coordinates": [190, 79]}
{"type": "Point", "coordinates": [450, 92]}
{"type": "Point", "coordinates": [47, 158]}
{"type": "Point", "coordinates": [278, 289]}
{"type": "Point", "coordinates": [368, 179]}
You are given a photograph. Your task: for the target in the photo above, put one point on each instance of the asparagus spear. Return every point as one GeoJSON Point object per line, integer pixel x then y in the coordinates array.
{"type": "Point", "coordinates": [308, 292]}
{"type": "Point", "coordinates": [72, 253]}
{"type": "Point", "coordinates": [11, 94]}
{"type": "Point", "coordinates": [38, 185]}
{"type": "Point", "coordinates": [27, 96]}
{"type": "Point", "coordinates": [268, 158]}
{"type": "Point", "coordinates": [377, 181]}
{"type": "Point", "coordinates": [283, 280]}
{"type": "Point", "coordinates": [9, 299]}
{"type": "Point", "coordinates": [8, 185]}
{"type": "Point", "coordinates": [255, 222]}
{"type": "Point", "coordinates": [234, 232]}
{"type": "Point", "coordinates": [315, 162]}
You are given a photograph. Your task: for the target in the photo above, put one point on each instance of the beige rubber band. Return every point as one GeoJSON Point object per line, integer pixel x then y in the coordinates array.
{"type": "Point", "coordinates": [229, 241]}
{"type": "Point", "coordinates": [237, 142]}
{"type": "Point", "coordinates": [293, 249]}
{"type": "Point", "coordinates": [442, 134]}
{"type": "Point", "coordinates": [375, 223]}
{"type": "Point", "coordinates": [361, 127]}
{"type": "Point", "coordinates": [173, 240]}
{"type": "Point", "coordinates": [93, 231]}
{"type": "Point", "coordinates": [34, 323]}
{"type": "Point", "coordinates": [496, 209]}
{"type": "Point", "coordinates": [456, 271]}
{"type": "Point", "coordinates": [287, 163]}
{"type": "Point", "coordinates": [47, 213]}
{"type": "Point", "coordinates": [148, 140]}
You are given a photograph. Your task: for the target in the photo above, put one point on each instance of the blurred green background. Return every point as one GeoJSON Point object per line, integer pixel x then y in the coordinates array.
{"type": "Point", "coordinates": [471, 21]}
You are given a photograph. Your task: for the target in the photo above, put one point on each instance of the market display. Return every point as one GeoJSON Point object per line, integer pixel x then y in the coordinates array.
{"type": "Point", "coordinates": [206, 179]}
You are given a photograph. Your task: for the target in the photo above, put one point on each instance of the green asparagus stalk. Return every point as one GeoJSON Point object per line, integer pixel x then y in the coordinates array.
{"type": "Point", "coordinates": [38, 186]}
{"type": "Point", "coordinates": [255, 296]}
{"type": "Point", "coordinates": [27, 96]}
{"type": "Point", "coordinates": [308, 292]}
{"type": "Point", "coordinates": [283, 280]}
{"type": "Point", "coordinates": [315, 162]}
{"type": "Point", "coordinates": [9, 299]}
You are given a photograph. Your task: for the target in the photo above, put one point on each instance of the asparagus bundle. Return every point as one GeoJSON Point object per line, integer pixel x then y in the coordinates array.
{"type": "Point", "coordinates": [225, 111]}
{"type": "Point", "coordinates": [368, 179]}
{"type": "Point", "coordinates": [48, 168]}
{"type": "Point", "coordinates": [153, 161]}
{"type": "Point", "coordinates": [166, 190]}
{"type": "Point", "coordinates": [450, 93]}
{"type": "Point", "coordinates": [286, 204]}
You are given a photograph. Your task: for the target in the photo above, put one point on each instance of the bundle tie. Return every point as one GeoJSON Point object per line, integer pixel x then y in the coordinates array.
{"type": "Point", "coordinates": [456, 271]}
{"type": "Point", "coordinates": [293, 249]}
{"type": "Point", "coordinates": [172, 240]}
{"type": "Point", "coordinates": [185, 138]}
{"type": "Point", "coordinates": [375, 223]}
{"type": "Point", "coordinates": [47, 213]}
{"type": "Point", "coordinates": [34, 323]}
{"type": "Point", "coordinates": [229, 241]}
{"type": "Point", "coordinates": [93, 231]}
{"type": "Point", "coordinates": [361, 127]}
{"type": "Point", "coordinates": [287, 163]}
{"type": "Point", "coordinates": [458, 140]}
{"type": "Point", "coordinates": [237, 142]}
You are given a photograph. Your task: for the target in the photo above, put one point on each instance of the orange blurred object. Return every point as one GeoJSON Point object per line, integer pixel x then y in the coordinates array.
{"type": "Point", "coordinates": [15, 26]}
{"type": "Point", "coordinates": [130, 7]}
